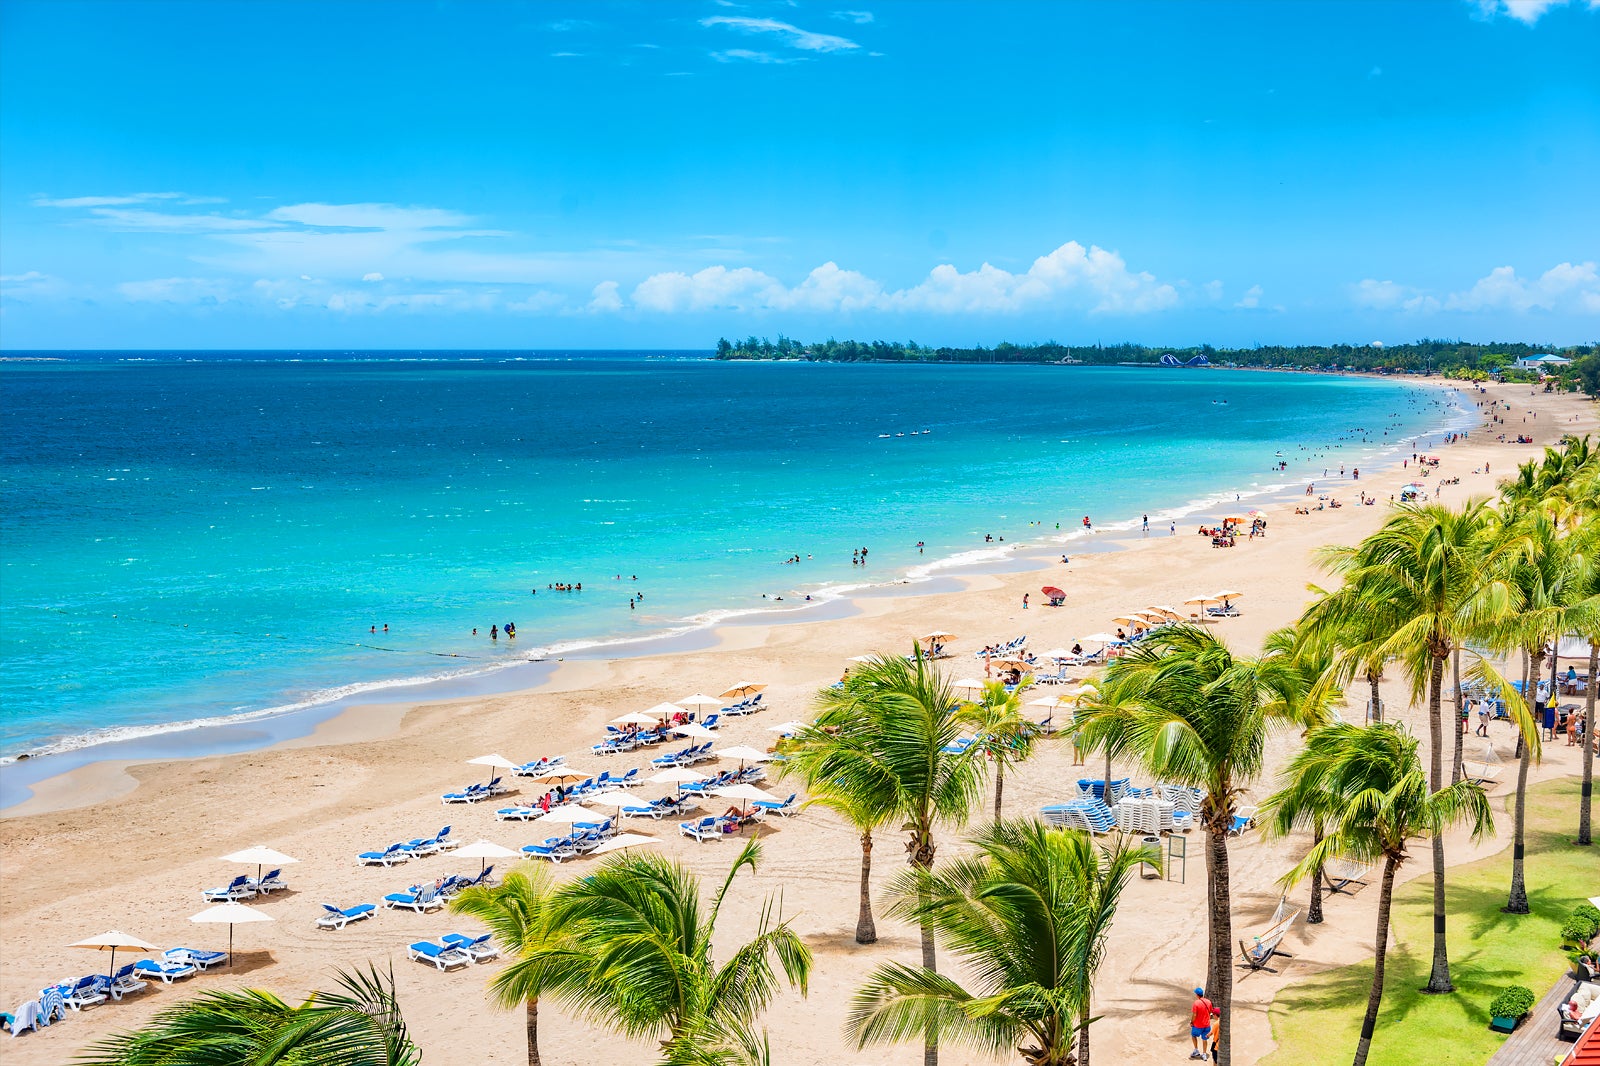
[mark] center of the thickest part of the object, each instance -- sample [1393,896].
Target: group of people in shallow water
[494,631]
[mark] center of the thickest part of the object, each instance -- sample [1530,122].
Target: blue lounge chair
[168,972]
[270,883]
[339,917]
[478,947]
[555,849]
[786,808]
[420,899]
[238,888]
[471,794]
[707,828]
[387,857]
[517,814]
[88,991]
[125,982]
[203,960]
[442,958]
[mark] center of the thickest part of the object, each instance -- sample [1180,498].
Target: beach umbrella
[1104,638]
[745,792]
[936,637]
[677,775]
[260,856]
[744,753]
[1058,653]
[485,850]
[663,711]
[743,689]
[1226,595]
[497,762]
[694,729]
[1129,620]
[700,699]
[110,941]
[231,914]
[563,775]
[861,658]
[1053,592]
[635,718]
[624,840]
[971,684]
[617,797]
[1008,664]
[568,813]
[1201,601]
[1170,612]
[788,729]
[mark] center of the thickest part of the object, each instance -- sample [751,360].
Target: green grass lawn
[1316,1021]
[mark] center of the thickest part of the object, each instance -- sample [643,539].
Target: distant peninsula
[1453,359]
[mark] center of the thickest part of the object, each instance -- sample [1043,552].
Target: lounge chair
[484,879]
[273,882]
[785,808]
[442,958]
[471,794]
[203,960]
[88,991]
[126,982]
[708,828]
[390,855]
[239,888]
[1340,874]
[339,917]
[168,972]
[555,849]
[1244,818]
[1265,945]
[478,947]
[518,814]
[420,900]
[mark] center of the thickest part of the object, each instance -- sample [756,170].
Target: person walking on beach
[1024,601]
[1147,523]
[1201,1011]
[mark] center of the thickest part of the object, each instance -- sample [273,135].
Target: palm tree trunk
[1588,746]
[866,929]
[1457,771]
[1219,976]
[999,785]
[922,858]
[1439,976]
[1517,902]
[1377,702]
[530,1022]
[1083,1038]
[1314,912]
[1375,997]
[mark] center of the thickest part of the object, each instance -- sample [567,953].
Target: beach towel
[27,1017]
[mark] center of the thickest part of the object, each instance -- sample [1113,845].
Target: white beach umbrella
[862,659]
[1059,700]
[694,729]
[745,793]
[569,813]
[624,840]
[616,797]
[744,688]
[498,762]
[1104,638]
[485,850]
[1170,612]
[1202,600]
[260,856]
[663,711]
[676,775]
[788,729]
[700,699]
[1058,653]
[971,684]
[744,753]
[111,941]
[231,914]
[635,718]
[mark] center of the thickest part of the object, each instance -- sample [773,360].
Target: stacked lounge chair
[1090,815]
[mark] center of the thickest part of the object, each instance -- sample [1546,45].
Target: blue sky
[652,174]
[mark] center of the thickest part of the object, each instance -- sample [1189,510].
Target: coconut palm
[358,1024]
[521,913]
[1028,917]
[864,818]
[1004,734]
[887,738]
[643,963]
[1425,579]
[1197,715]
[1586,623]
[1367,786]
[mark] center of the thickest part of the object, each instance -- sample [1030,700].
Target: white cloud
[139,220]
[746,55]
[568,25]
[860,18]
[372,276]
[124,201]
[369,216]
[1525,11]
[1071,277]
[791,35]
[178,291]
[566,55]
[1566,287]
[605,298]
[1251,297]
[32,285]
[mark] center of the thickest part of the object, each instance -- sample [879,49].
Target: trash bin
[1148,870]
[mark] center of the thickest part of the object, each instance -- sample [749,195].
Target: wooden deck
[1535,1043]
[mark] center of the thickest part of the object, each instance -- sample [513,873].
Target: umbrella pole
[113,971]
[230,945]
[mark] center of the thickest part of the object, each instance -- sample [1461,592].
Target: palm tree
[887,739]
[1586,622]
[1028,917]
[1196,715]
[643,962]
[357,1025]
[1366,784]
[1003,733]
[521,913]
[1424,580]
[864,818]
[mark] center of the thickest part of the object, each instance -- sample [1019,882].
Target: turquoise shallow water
[202,536]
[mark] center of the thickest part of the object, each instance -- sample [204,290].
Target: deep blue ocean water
[196,536]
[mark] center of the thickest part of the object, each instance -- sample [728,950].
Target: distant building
[1542,362]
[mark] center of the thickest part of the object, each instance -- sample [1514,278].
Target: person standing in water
[494,632]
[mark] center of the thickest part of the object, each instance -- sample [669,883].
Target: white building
[1542,362]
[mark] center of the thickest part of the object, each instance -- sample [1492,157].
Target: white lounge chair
[480,948]
[442,958]
[339,917]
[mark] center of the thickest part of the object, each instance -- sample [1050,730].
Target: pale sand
[135,858]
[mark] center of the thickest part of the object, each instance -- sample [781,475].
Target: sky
[616,174]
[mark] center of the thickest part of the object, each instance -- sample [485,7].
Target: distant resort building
[1542,362]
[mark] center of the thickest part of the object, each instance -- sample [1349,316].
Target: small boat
[883,436]
[899,434]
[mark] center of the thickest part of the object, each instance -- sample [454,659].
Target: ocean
[220,536]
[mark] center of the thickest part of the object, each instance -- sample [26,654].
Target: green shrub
[1589,911]
[1514,1002]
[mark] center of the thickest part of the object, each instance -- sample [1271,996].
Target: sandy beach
[131,846]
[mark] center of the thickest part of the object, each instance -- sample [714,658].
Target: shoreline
[23,775]
[367,776]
